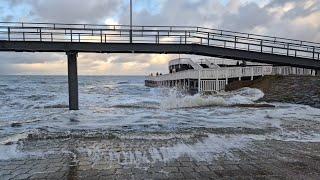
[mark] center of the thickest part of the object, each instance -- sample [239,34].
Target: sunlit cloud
[289,18]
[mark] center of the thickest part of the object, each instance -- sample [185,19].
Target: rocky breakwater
[287,89]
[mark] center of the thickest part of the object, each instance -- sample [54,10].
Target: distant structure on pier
[212,75]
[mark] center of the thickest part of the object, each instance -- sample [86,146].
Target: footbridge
[91,38]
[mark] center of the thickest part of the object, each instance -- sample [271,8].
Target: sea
[37,106]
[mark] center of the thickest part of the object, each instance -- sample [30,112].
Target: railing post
[261,47]
[313,53]
[40,31]
[51,36]
[252,74]
[71,35]
[235,42]
[217,85]
[23,36]
[287,49]
[142,29]
[79,37]
[208,39]
[101,39]
[9,34]
[185,37]
[131,36]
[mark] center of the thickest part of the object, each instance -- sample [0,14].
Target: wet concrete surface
[181,157]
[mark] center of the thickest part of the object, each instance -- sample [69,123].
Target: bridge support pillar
[73,80]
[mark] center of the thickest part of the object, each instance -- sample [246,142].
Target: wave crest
[243,96]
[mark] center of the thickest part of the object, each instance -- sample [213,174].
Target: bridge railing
[92,33]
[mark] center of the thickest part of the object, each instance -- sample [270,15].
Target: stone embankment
[288,89]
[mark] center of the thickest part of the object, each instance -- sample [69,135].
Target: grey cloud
[177,12]
[276,3]
[247,18]
[73,11]
[29,58]
[140,58]
[300,11]
[286,28]
[8,18]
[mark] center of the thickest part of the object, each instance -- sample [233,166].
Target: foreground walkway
[173,158]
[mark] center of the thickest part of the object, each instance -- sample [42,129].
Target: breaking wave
[243,96]
[163,98]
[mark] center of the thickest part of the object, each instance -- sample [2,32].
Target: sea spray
[175,99]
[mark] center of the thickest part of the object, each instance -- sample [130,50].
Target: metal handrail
[188,28]
[194,28]
[56,32]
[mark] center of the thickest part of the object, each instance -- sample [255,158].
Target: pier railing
[287,70]
[233,72]
[91,33]
[218,73]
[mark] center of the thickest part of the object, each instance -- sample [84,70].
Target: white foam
[8,152]
[13,138]
[244,96]
[204,150]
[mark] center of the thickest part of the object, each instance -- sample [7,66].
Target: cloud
[28,58]
[297,19]
[72,11]
[243,19]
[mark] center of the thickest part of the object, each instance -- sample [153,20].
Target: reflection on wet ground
[160,156]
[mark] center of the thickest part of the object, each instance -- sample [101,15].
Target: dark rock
[74,120]
[8,143]
[287,89]
[59,106]
[16,124]
[254,105]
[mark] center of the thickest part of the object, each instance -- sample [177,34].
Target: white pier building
[212,75]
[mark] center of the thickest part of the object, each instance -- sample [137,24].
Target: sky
[297,19]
